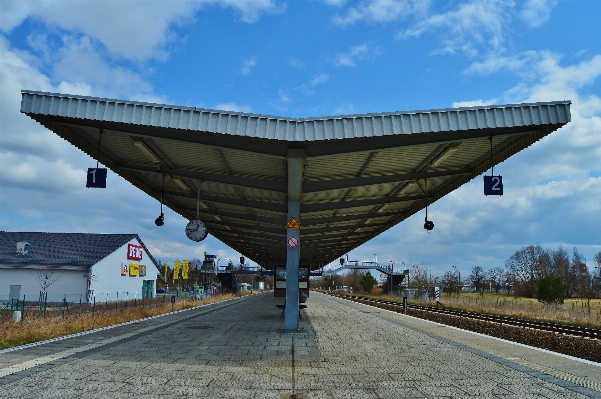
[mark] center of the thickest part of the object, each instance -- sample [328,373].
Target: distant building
[76,266]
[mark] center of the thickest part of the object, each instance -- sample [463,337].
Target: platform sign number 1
[96,178]
[493,185]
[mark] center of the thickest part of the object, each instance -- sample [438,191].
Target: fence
[76,304]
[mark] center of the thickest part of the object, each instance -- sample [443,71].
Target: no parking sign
[293,242]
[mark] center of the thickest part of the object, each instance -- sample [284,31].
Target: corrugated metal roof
[363,173]
[293,129]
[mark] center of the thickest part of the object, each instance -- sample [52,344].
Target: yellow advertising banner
[134,269]
[166,269]
[185,270]
[176,265]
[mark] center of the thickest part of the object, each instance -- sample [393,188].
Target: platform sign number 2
[493,185]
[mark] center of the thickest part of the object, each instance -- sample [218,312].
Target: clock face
[196,230]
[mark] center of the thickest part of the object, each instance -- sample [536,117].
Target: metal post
[296,163]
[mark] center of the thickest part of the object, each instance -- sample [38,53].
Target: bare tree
[579,274]
[478,277]
[526,266]
[449,282]
[561,267]
[496,275]
[45,277]
[353,280]
[419,277]
[194,273]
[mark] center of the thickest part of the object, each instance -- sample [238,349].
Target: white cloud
[349,59]
[284,97]
[319,79]
[247,65]
[473,103]
[346,108]
[543,78]
[336,3]
[381,11]
[34,173]
[537,12]
[306,89]
[295,63]
[249,10]
[233,107]
[80,63]
[17,133]
[515,63]
[473,25]
[130,29]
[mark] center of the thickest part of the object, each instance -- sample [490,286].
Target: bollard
[17,316]
[172,302]
[405,304]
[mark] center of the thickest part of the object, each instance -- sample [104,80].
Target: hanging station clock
[196,230]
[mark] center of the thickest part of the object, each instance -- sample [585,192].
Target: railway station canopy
[362,174]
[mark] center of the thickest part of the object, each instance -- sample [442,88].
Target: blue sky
[313,58]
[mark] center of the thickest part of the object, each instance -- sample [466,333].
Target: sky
[313,58]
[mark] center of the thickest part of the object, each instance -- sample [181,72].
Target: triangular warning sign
[293,224]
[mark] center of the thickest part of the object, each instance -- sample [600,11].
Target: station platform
[238,349]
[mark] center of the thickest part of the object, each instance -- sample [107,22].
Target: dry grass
[573,311]
[39,329]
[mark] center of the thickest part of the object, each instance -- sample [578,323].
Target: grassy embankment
[34,329]
[572,311]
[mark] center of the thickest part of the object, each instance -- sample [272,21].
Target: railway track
[559,328]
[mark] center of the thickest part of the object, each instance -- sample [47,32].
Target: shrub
[551,289]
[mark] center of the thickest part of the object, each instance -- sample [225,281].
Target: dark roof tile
[81,249]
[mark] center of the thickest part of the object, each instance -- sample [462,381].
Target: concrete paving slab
[238,349]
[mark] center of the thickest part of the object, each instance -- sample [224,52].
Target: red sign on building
[134,252]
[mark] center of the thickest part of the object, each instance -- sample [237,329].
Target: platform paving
[238,349]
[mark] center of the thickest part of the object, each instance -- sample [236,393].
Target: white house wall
[108,283]
[69,283]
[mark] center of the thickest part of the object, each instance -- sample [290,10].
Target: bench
[283,307]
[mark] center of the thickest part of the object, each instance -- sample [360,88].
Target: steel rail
[560,328]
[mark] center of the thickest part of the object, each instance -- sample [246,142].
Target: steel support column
[296,162]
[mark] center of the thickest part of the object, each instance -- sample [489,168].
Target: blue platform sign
[493,185]
[96,178]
